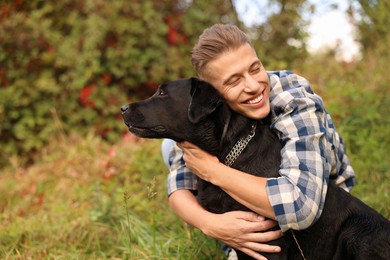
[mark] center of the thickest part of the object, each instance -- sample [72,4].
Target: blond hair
[213,42]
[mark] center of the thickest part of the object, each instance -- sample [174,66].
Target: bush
[74,61]
[79,61]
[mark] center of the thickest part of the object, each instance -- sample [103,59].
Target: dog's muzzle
[124,109]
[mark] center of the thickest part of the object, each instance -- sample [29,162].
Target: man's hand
[197,160]
[238,229]
[242,230]
[246,189]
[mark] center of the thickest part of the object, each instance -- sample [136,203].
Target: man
[312,153]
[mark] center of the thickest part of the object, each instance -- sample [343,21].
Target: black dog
[192,110]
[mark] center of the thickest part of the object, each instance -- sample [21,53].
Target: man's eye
[234,82]
[255,70]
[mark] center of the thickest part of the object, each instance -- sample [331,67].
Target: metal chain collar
[239,147]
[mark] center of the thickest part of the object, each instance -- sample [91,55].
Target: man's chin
[257,114]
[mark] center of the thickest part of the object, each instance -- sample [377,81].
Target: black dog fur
[191,110]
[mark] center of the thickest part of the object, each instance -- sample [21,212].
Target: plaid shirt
[312,152]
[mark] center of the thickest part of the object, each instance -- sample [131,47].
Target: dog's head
[174,111]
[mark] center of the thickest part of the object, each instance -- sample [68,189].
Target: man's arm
[311,152]
[238,229]
[247,189]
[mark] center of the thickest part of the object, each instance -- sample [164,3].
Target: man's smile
[255,100]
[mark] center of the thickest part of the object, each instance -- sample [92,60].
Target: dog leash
[299,247]
[239,147]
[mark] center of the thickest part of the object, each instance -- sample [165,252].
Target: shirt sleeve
[179,177]
[308,154]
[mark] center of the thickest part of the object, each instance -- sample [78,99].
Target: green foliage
[374,22]
[281,40]
[78,62]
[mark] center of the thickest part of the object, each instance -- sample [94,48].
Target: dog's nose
[124,108]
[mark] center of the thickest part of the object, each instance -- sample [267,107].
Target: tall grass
[85,199]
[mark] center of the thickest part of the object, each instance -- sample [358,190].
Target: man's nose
[251,84]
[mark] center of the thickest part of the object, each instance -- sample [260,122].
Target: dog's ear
[204,100]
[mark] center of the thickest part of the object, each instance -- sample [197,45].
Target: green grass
[84,199]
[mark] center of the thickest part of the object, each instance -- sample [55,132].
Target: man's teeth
[256,100]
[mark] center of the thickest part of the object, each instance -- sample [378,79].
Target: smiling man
[244,84]
[312,155]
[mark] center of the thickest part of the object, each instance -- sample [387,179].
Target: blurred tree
[186,20]
[372,20]
[280,39]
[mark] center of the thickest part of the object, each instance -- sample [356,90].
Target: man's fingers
[247,215]
[259,247]
[266,224]
[259,226]
[263,237]
[186,144]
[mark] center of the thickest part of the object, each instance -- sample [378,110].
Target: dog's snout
[124,108]
[131,114]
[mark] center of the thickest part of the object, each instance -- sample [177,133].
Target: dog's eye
[161,92]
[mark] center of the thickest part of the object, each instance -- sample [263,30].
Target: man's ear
[204,100]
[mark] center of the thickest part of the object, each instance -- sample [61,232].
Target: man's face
[241,79]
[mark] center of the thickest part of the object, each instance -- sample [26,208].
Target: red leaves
[3,77]
[7,8]
[174,37]
[85,94]
[175,34]
[106,78]
[151,86]
[110,171]
[34,198]
[86,91]
[111,40]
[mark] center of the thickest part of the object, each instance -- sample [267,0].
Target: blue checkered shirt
[312,152]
